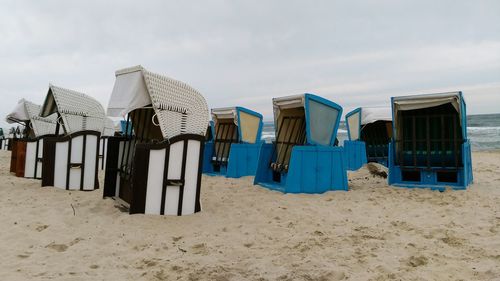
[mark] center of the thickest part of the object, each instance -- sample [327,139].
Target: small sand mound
[377,170]
[417,261]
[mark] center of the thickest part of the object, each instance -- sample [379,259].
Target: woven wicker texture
[27,111]
[41,125]
[79,111]
[180,108]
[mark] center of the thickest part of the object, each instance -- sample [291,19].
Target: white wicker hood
[180,108]
[79,112]
[19,114]
[374,114]
[26,111]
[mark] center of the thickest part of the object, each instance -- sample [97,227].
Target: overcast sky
[355,53]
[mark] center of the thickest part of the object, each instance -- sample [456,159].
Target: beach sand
[245,232]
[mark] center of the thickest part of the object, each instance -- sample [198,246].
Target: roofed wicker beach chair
[155,168]
[27,151]
[303,158]
[369,130]
[236,143]
[108,130]
[430,147]
[71,156]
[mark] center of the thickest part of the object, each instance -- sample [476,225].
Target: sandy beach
[245,232]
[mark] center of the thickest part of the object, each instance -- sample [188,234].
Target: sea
[483,131]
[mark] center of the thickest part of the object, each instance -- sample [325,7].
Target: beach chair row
[427,146]
[154,161]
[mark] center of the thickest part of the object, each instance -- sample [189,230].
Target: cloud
[246,52]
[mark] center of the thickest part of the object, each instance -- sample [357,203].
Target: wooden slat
[20,158]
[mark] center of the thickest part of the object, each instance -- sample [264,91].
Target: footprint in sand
[414,261]
[150,263]
[75,241]
[160,275]
[57,247]
[177,268]
[200,249]
[63,247]
[334,276]
[146,263]
[41,228]
[25,255]
[453,241]
[318,233]
[142,247]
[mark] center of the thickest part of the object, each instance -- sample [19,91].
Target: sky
[244,53]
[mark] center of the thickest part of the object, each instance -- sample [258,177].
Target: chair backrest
[226,133]
[77,111]
[303,120]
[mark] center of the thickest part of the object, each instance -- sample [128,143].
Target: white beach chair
[155,168]
[71,157]
[27,151]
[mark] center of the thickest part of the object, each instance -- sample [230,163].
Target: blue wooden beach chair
[209,135]
[303,158]
[430,147]
[369,130]
[125,128]
[234,148]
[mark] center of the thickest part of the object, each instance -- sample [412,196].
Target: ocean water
[483,131]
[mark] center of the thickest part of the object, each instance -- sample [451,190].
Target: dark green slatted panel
[430,138]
